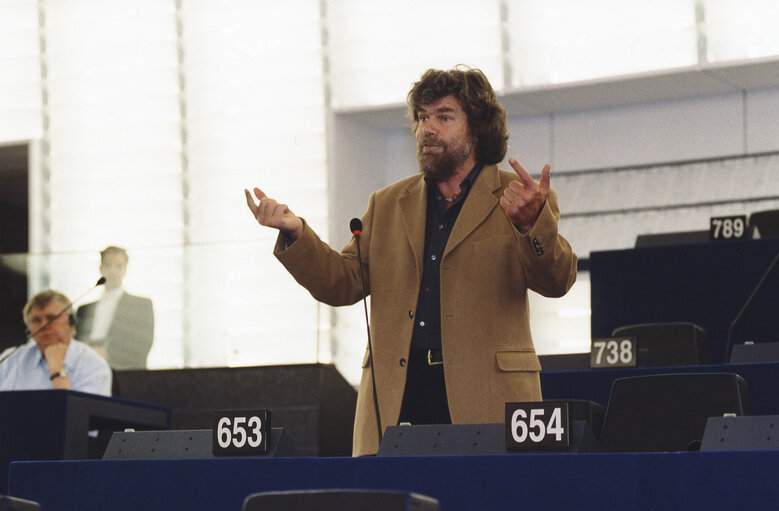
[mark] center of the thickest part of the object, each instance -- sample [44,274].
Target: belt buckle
[430,361]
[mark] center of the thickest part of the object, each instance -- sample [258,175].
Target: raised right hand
[54,355]
[271,213]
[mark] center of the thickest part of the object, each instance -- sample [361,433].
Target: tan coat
[486,269]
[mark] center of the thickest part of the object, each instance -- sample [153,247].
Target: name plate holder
[240,432]
[725,228]
[534,426]
[609,352]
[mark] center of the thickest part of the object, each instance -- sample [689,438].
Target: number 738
[616,351]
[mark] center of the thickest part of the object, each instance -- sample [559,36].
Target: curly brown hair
[486,117]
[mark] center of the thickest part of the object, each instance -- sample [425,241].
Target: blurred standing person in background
[119,326]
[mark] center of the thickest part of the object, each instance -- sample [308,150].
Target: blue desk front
[667,481]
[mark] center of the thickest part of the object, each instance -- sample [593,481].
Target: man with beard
[448,256]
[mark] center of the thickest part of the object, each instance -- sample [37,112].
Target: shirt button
[441,226]
[402,362]
[421,323]
[432,257]
[411,314]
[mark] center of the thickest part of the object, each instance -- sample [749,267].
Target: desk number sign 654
[535,426]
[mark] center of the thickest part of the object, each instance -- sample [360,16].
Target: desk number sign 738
[613,352]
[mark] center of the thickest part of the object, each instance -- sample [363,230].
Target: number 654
[535,428]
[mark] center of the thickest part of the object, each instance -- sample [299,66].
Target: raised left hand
[523,200]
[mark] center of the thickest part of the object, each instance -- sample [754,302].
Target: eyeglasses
[48,318]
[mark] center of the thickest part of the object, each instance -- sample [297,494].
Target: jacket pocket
[517,361]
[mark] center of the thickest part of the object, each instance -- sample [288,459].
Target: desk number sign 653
[243,432]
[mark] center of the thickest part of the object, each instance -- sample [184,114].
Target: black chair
[668,412]
[671,238]
[667,344]
[351,500]
[15,504]
[766,222]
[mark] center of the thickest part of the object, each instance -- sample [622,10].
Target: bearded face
[444,140]
[439,159]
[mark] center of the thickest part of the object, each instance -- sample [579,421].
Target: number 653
[243,431]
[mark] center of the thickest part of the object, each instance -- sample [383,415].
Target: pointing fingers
[523,199]
[250,202]
[546,173]
[524,177]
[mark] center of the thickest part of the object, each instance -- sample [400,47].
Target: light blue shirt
[26,369]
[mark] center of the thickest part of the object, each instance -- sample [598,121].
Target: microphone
[48,322]
[747,305]
[100,282]
[355,225]
[11,351]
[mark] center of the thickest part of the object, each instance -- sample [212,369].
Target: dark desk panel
[667,481]
[705,283]
[312,402]
[595,384]
[53,424]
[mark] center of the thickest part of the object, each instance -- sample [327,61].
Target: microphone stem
[370,346]
[100,282]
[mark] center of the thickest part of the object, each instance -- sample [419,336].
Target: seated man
[54,360]
[119,326]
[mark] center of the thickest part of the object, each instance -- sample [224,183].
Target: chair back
[337,499]
[668,412]
[667,344]
[16,504]
[765,222]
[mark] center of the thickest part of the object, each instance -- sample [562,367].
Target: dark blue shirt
[441,216]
